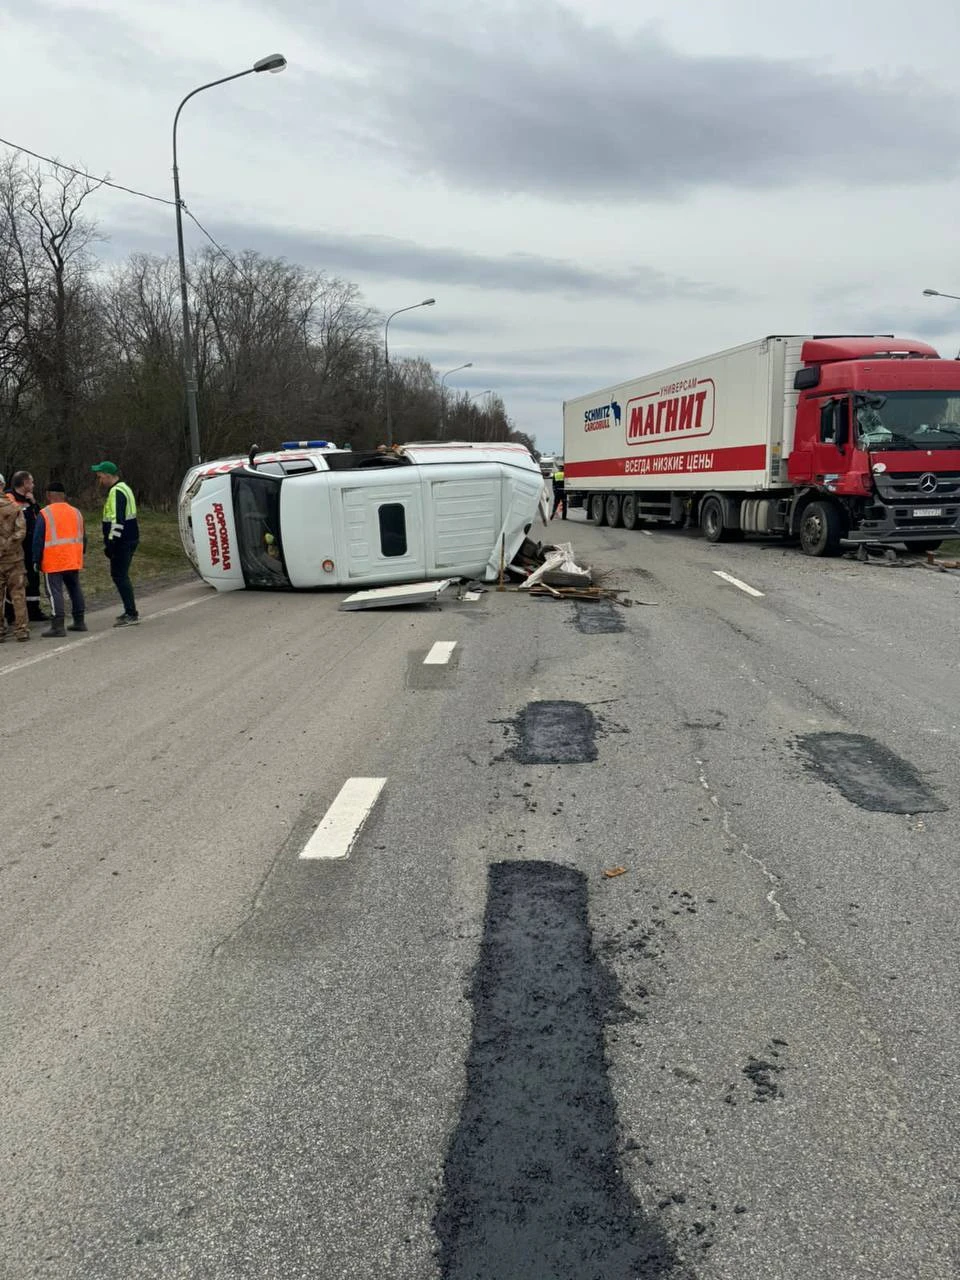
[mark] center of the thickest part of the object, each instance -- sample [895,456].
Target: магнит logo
[682,409]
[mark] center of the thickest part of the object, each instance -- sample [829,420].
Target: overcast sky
[591,190]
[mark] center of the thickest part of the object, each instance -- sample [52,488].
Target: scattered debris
[557,568]
[761,1072]
[613,872]
[406,593]
[933,561]
[891,558]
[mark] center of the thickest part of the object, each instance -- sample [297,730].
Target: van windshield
[256,511]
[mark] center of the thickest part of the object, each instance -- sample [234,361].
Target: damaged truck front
[315,517]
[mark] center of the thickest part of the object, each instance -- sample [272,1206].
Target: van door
[382,525]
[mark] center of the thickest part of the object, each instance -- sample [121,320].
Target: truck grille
[904,486]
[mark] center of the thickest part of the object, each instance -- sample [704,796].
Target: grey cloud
[540,385]
[934,324]
[536,99]
[533,360]
[111,45]
[388,258]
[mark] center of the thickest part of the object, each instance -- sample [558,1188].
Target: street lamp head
[931,293]
[428,302]
[272,62]
[468,365]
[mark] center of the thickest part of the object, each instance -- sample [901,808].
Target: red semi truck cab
[878,426]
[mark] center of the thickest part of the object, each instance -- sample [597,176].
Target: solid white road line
[72,645]
[440,654]
[735,582]
[343,821]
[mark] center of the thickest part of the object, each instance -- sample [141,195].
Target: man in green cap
[121,536]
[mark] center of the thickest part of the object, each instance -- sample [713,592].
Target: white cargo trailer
[721,423]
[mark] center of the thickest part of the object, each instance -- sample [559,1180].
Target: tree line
[90,354]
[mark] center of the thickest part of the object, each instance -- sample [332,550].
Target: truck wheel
[821,528]
[629,515]
[711,520]
[598,509]
[613,510]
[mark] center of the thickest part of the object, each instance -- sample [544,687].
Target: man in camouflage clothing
[13,577]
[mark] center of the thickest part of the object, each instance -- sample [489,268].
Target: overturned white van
[309,515]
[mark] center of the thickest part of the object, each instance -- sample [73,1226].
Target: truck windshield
[909,420]
[256,510]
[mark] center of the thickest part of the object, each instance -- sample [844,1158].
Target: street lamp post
[274,62]
[427,302]
[935,293]
[443,394]
[488,392]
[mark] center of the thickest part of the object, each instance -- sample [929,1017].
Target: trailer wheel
[614,518]
[629,515]
[821,528]
[598,509]
[711,520]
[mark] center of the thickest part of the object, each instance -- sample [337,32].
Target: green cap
[110,468]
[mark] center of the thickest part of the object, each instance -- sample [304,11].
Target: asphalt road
[463,1051]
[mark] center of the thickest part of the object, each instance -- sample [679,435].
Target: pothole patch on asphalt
[555,733]
[868,774]
[532,1184]
[599,617]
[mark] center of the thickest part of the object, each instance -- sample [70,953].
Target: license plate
[930,513]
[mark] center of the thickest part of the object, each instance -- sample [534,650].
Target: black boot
[78,623]
[56,630]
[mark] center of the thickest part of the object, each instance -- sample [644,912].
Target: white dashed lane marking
[440,654]
[343,821]
[735,582]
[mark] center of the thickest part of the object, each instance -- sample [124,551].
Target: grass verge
[159,560]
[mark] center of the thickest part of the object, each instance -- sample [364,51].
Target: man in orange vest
[59,541]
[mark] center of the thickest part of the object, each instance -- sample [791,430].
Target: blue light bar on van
[307,444]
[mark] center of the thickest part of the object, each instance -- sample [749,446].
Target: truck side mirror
[807,379]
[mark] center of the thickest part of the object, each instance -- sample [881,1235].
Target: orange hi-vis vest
[63,543]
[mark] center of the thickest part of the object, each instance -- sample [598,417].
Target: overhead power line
[144,195]
[82,173]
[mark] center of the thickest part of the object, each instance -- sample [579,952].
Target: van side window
[393,529]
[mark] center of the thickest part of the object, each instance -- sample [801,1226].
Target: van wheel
[629,515]
[598,509]
[711,520]
[613,510]
[821,528]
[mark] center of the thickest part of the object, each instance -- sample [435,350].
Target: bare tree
[90,361]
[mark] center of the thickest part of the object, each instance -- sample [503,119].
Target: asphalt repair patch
[532,1185]
[555,733]
[868,774]
[599,617]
